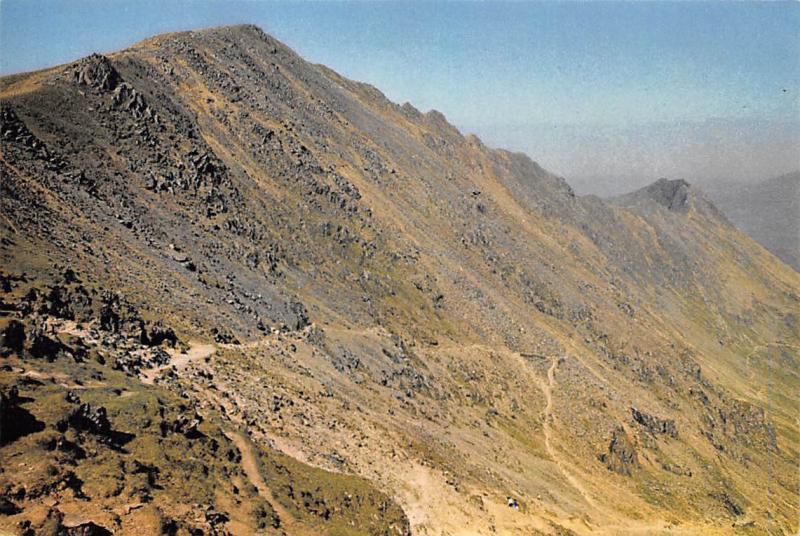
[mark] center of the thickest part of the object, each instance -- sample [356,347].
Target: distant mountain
[607,160]
[769,211]
[242,294]
[674,195]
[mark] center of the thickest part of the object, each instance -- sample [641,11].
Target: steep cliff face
[381,297]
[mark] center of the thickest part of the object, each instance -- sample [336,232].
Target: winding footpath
[547,390]
[197,352]
[251,469]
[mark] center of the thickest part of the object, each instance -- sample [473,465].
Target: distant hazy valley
[769,211]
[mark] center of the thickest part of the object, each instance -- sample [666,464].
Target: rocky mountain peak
[672,194]
[675,195]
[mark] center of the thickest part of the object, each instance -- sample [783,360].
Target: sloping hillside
[369,311]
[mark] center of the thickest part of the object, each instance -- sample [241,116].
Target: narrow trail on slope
[287,336]
[197,352]
[547,389]
[600,527]
[759,347]
[256,343]
[759,394]
[250,465]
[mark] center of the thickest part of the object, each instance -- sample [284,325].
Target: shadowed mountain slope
[432,324]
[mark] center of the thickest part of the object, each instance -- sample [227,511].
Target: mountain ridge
[497,335]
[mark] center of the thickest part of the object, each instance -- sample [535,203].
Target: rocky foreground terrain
[241,294]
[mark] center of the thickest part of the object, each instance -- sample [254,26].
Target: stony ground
[295,306]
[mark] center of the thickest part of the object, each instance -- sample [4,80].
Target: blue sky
[541,77]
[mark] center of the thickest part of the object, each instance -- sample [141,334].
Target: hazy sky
[605,90]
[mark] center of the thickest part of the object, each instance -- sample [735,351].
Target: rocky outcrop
[621,455]
[655,425]
[158,333]
[44,344]
[118,316]
[14,130]
[88,419]
[96,71]
[13,336]
[183,424]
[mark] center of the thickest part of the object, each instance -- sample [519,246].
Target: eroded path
[250,465]
[610,524]
[547,389]
[197,351]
